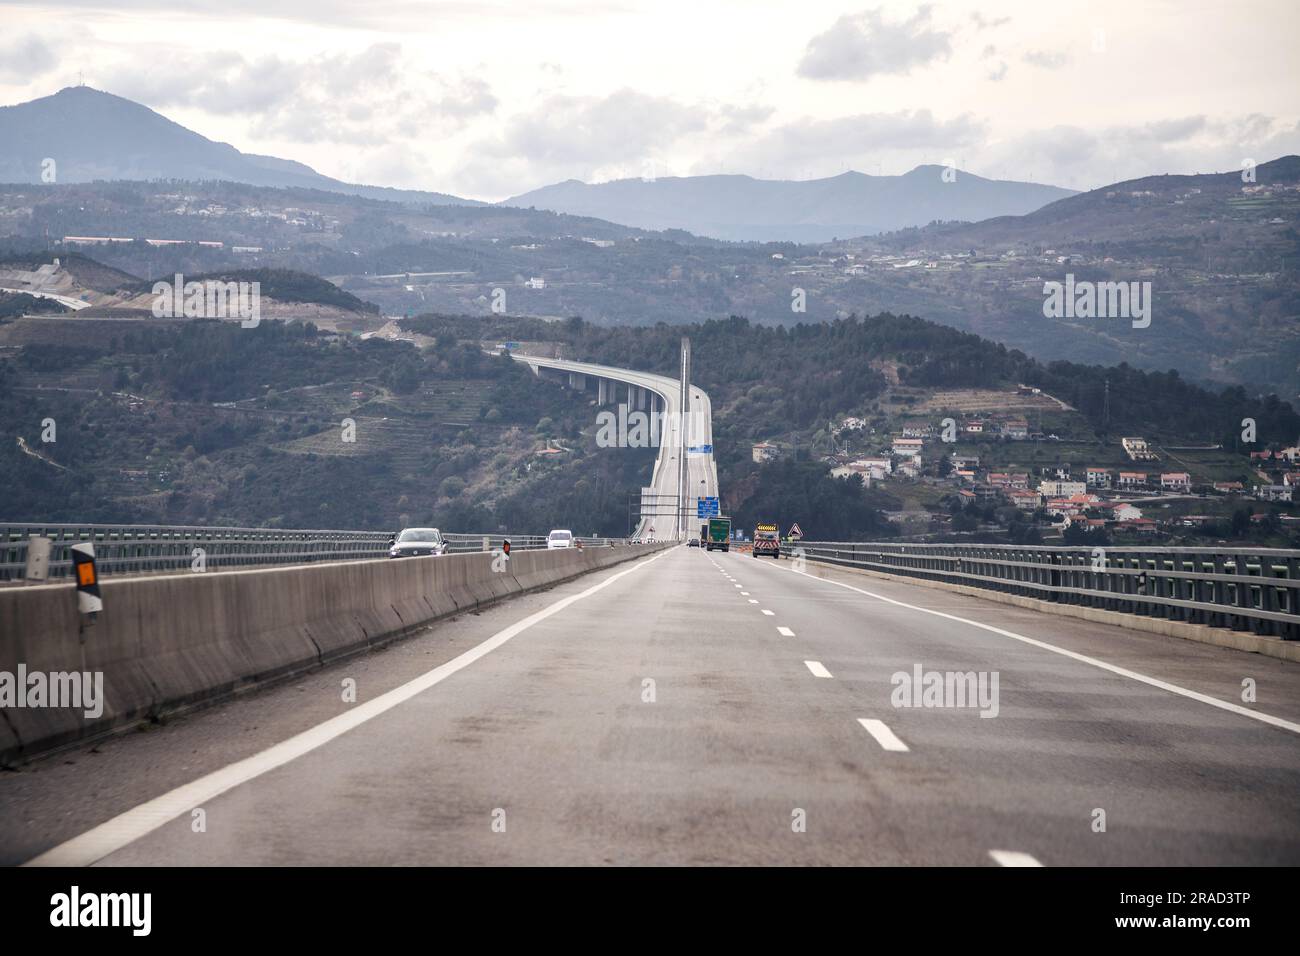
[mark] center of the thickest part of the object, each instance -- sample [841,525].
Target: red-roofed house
[1025,499]
[1139,525]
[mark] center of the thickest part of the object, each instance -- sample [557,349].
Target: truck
[767,540]
[719,534]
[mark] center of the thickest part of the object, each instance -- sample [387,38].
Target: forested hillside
[203,422]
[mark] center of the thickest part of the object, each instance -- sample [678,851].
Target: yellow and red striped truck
[767,540]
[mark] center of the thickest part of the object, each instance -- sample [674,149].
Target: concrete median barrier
[165,644]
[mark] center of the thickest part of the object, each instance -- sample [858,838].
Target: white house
[1062,489]
[1016,430]
[1098,477]
[1137,449]
[1123,511]
[1025,500]
[1273,492]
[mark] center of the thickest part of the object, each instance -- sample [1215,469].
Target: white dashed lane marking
[1290,725]
[818,669]
[1013,858]
[884,736]
[785,632]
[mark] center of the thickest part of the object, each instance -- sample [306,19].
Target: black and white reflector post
[83,564]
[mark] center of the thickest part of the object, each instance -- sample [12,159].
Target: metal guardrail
[467,541]
[142,549]
[1239,588]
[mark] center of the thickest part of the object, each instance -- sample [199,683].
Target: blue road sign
[707,508]
[700,450]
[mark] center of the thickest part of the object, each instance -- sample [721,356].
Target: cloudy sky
[489,98]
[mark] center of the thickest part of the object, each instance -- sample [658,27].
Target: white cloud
[1046,59]
[1072,156]
[359,98]
[594,138]
[983,23]
[1173,130]
[25,58]
[824,147]
[862,45]
[489,98]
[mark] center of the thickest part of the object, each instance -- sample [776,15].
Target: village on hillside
[972,471]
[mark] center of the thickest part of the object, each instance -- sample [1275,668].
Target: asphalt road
[764,738]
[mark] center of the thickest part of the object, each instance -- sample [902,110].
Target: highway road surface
[697,708]
[702,472]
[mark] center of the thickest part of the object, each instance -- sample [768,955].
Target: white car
[559,539]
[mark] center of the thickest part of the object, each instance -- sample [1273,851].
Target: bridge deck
[754,716]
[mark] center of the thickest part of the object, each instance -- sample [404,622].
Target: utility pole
[683,417]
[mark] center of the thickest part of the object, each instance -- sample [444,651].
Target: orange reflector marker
[83,560]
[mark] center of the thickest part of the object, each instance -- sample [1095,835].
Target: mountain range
[806,211]
[1219,252]
[93,135]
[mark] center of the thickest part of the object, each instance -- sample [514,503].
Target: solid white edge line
[818,669]
[129,826]
[1013,858]
[1083,658]
[884,736]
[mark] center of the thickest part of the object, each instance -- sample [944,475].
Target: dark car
[417,541]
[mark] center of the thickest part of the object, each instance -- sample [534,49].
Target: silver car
[412,542]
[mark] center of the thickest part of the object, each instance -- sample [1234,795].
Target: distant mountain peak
[93,134]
